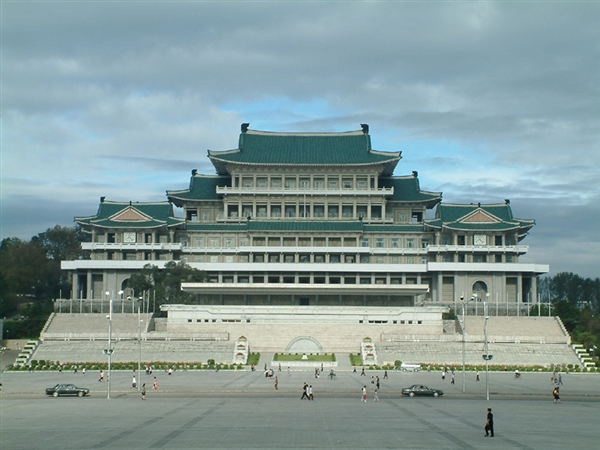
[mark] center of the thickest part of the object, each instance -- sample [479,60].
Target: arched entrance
[304,344]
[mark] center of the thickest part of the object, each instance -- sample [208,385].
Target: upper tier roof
[478,217]
[132,215]
[305,149]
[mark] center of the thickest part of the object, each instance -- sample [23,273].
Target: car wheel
[411,394]
[55,394]
[80,394]
[435,394]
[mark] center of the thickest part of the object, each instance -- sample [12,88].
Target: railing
[474,338]
[133,335]
[302,191]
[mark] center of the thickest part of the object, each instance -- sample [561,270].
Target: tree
[167,281]
[60,244]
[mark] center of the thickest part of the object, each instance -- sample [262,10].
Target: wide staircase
[512,340]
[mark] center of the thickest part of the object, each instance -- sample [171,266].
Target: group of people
[307,392]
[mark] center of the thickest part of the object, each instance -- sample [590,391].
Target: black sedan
[419,389]
[67,389]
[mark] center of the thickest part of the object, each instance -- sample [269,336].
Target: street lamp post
[463,303]
[487,355]
[109,350]
[139,375]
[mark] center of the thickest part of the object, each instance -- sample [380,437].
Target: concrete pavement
[243,410]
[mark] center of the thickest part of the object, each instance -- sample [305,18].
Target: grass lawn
[315,358]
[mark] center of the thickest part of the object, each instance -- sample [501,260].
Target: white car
[407,367]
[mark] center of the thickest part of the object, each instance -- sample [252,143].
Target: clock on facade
[479,239]
[129,237]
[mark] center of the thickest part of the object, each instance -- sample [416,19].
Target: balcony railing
[303,191]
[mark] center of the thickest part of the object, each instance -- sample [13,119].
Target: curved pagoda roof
[408,190]
[479,218]
[131,215]
[202,187]
[352,148]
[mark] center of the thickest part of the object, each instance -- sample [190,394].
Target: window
[410,243]
[244,258]
[288,258]
[446,240]
[334,211]
[461,239]
[319,258]
[214,242]
[318,184]
[410,260]
[199,242]
[304,184]
[192,215]
[290,183]
[274,258]
[347,211]
[258,258]
[394,242]
[334,258]
[229,258]
[446,258]
[276,183]
[333,184]
[498,258]
[349,259]
[304,258]
[424,243]
[364,242]
[395,260]
[403,217]
[365,280]
[276,211]
[347,183]
[244,241]
[361,184]
[498,240]
[319,211]
[509,258]
[379,243]
[261,182]
[228,242]
[417,217]
[290,211]
[379,260]
[364,259]
[205,215]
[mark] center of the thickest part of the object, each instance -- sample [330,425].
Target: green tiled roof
[407,189]
[313,149]
[132,215]
[393,228]
[302,225]
[478,217]
[218,227]
[202,187]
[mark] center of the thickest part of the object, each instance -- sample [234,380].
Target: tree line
[31,277]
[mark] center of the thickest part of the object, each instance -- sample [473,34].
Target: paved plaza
[237,410]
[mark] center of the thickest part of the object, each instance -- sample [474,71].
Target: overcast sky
[486,100]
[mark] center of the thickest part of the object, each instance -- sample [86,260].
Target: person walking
[144,391]
[83,371]
[377,382]
[556,395]
[101,376]
[385,375]
[304,392]
[133,382]
[452,380]
[155,384]
[560,379]
[276,384]
[362,373]
[310,393]
[364,394]
[477,375]
[489,423]
[376,397]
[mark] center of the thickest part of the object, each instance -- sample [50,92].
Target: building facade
[319,219]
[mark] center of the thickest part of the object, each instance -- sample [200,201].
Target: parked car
[419,389]
[67,389]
